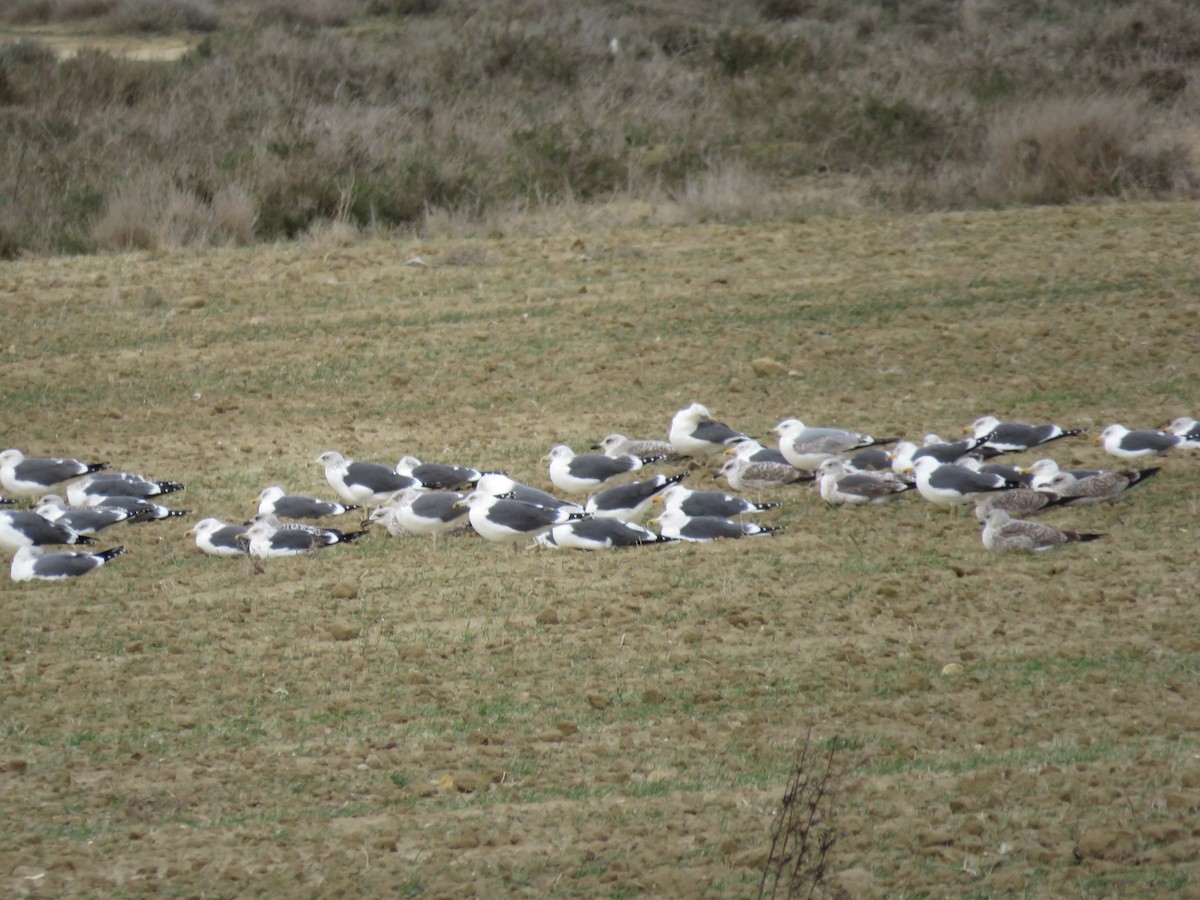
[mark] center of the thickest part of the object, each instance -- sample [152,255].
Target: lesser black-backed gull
[597,534]
[118,484]
[217,538]
[694,432]
[630,502]
[364,483]
[842,485]
[1119,441]
[675,523]
[1039,472]
[414,511]
[34,476]
[1022,501]
[438,476]
[582,472]
[709,503]
[25,528]
[744,475]
[619,445]
[506,521]
[806,448]
[872,459]
[82,519]
[29,563]
[1188,429]
[1001,533]
[1013,437]
[144,510]
[276,501]
[1099,487]
[755,452]
[267,537]
[499,485]
[949,485]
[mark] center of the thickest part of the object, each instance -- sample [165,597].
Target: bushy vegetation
[382,113]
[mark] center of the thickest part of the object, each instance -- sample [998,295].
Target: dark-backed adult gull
[1013,437]
[580,473]
[1022,501]
[144,510]
[25,528]
[1119,441]
[266,537]
[694,432]
[872,459]
[709,503]
[1097,488]
[949,485]
[438,476]
[364,483]
[1039,472]
[744,475]
[217,538]
[82,519]
[807,448]
[619,445]
[755,452]
[1015,474]
[630,502]
[1001,532]
[506,521]
[274,500]
[34,476]
[842,485]
[675,523]
[29,563]
[1188,429]
[118,484]
[597,534]
[499,485]
[414,511]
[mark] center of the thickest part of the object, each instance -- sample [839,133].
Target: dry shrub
[163,16]
[726,191]
[310,13]
[25,12]
[149,212]
[1060,151]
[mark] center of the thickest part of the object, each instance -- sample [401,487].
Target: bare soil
[454,718]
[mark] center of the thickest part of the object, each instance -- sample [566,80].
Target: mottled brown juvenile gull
[840,484]
[1013,437]
[217,538]
[806,448]
[1097,488]
[1020,501]
[274,500]
[674,523]
[29,563]
[414,511]
[630,502]
[25,528]
[364,483]
[1001,532]
[34,476]
[694,432]
[583,472]
[744,475]
[597,534]
[949,485]
[619,445]
[1119,441]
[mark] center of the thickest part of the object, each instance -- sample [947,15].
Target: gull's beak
[657,498]
[730,452]
[1097,440]
[545,458]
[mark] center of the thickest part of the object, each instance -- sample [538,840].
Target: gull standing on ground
[694,432]
[364,483]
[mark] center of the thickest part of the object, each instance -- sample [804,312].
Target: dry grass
[704,110]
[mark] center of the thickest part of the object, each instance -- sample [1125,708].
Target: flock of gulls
[602,498]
